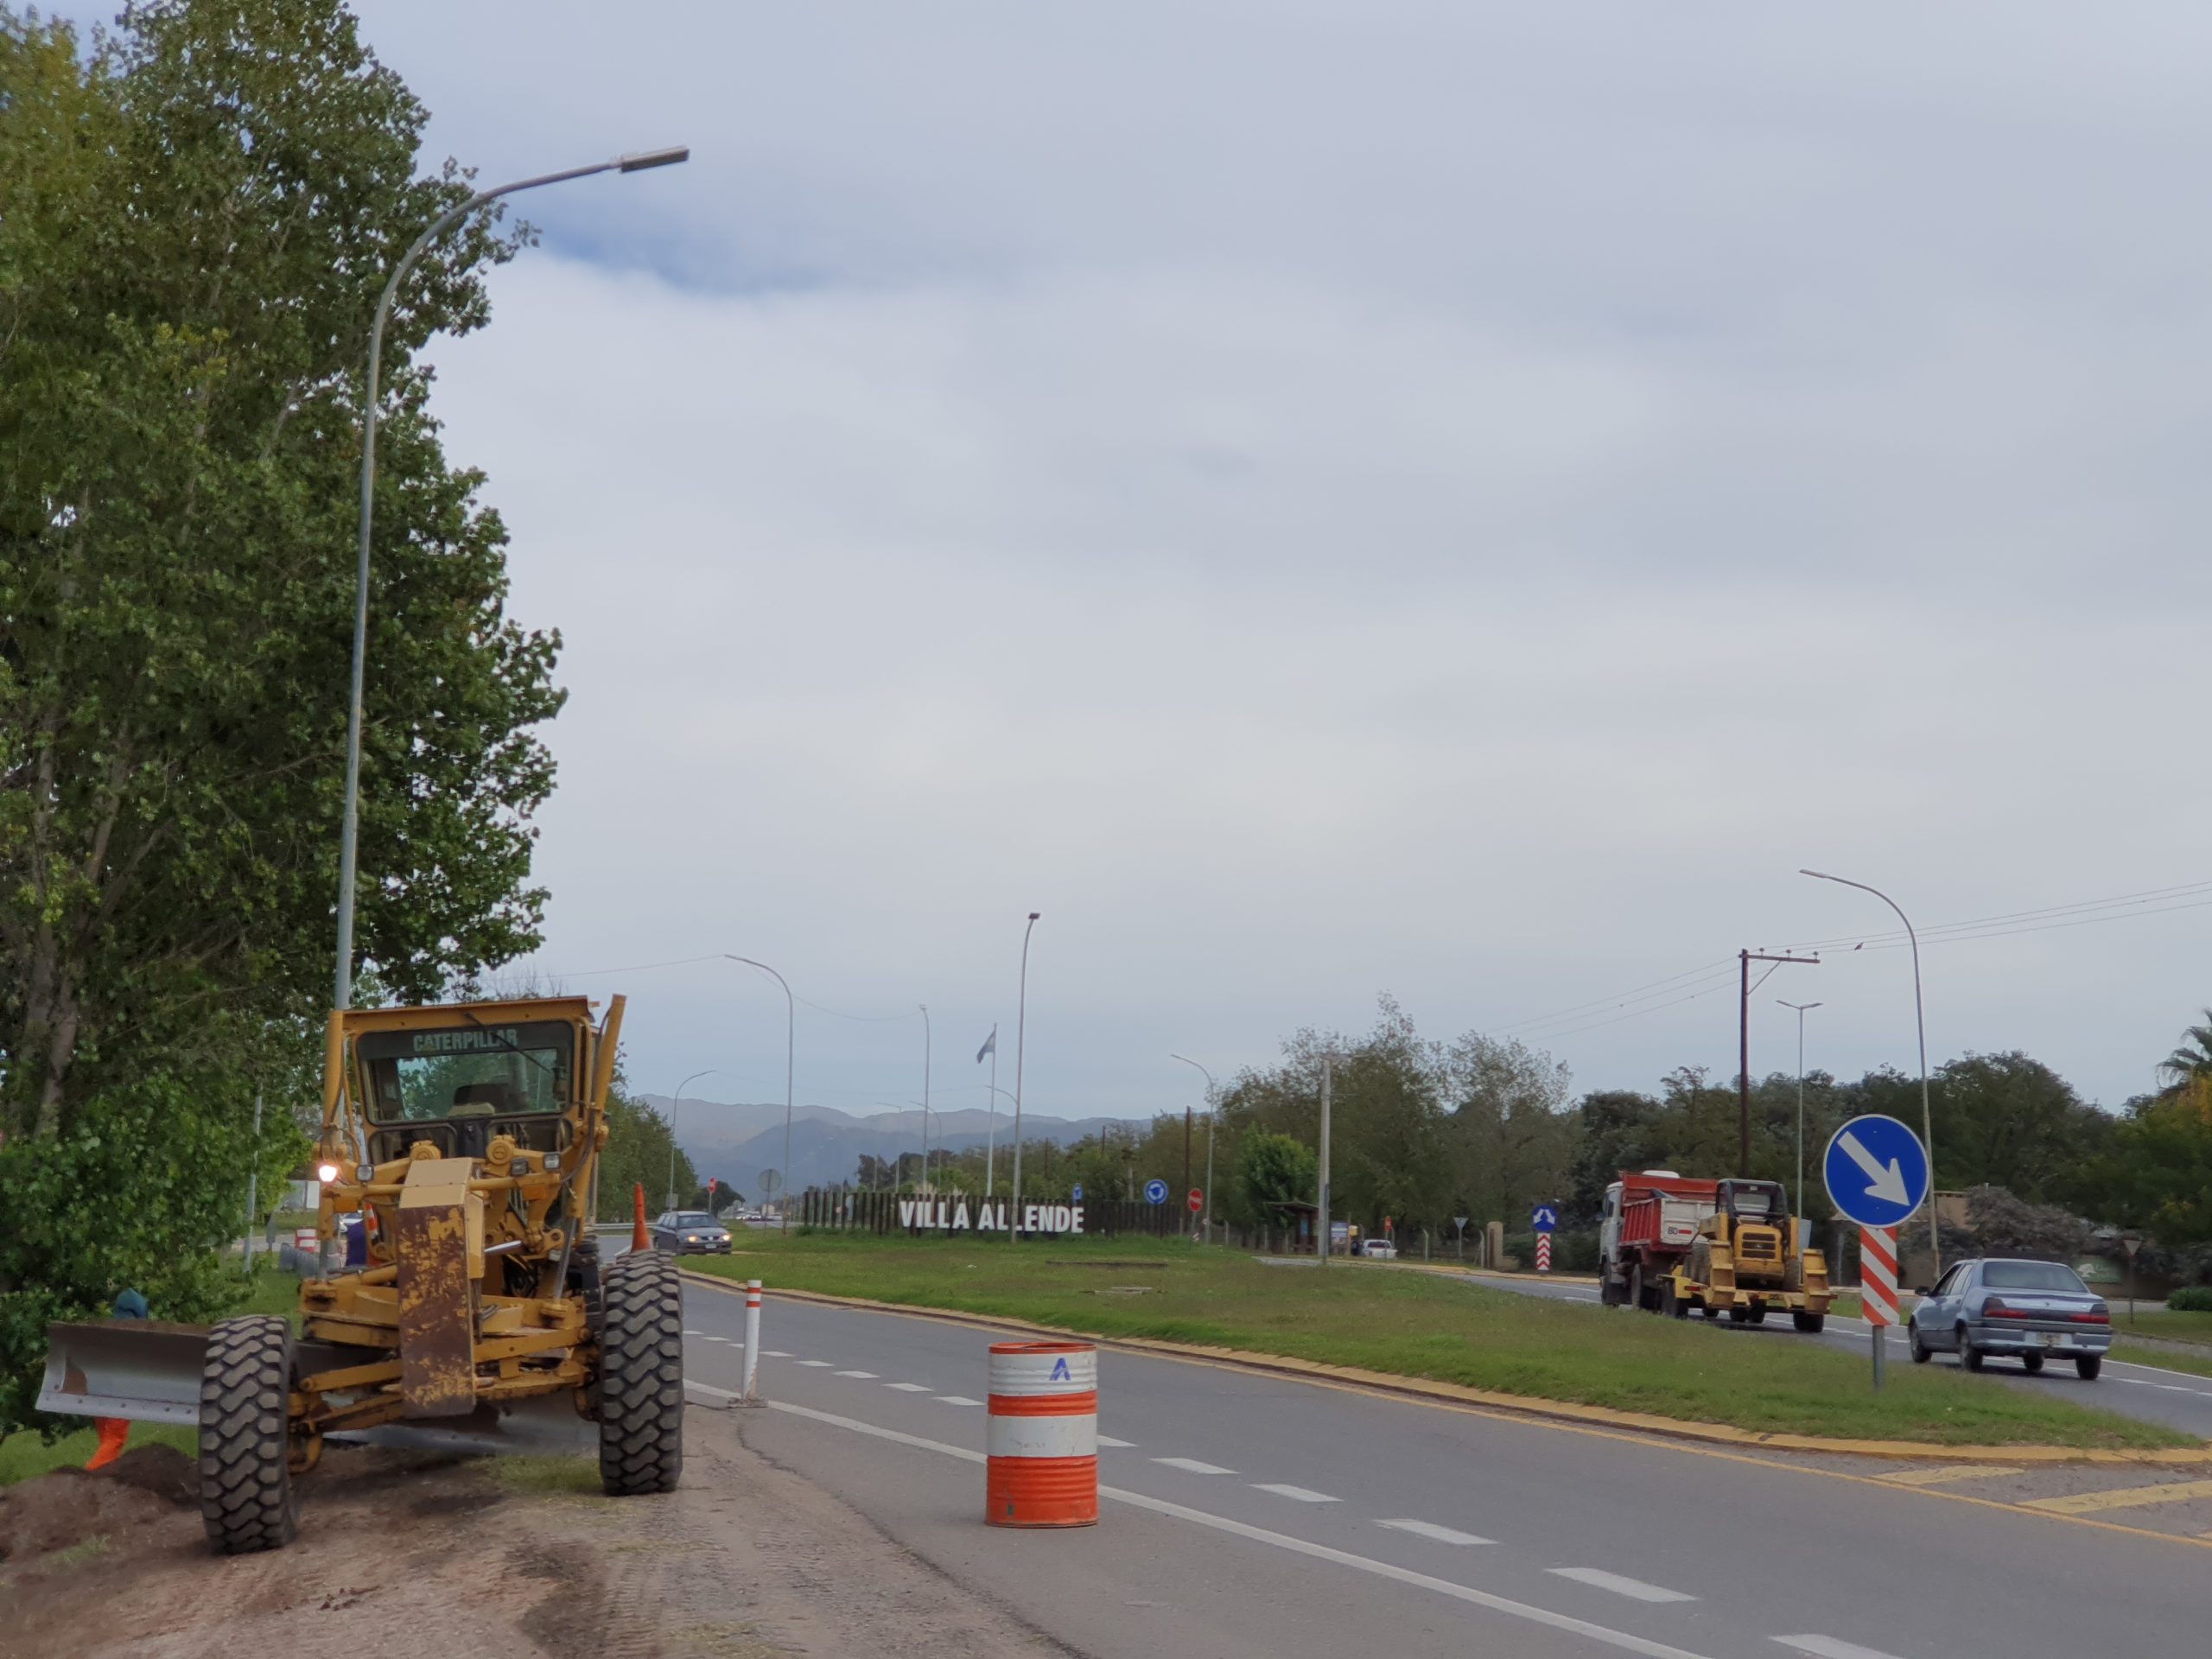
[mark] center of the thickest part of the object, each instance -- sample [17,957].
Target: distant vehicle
[2026,1310]
[689,1232]
[1381,1249]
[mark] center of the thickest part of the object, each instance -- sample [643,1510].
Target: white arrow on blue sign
[1875,1170]
[1544,1218]
[1077,1195]
[1155,1192]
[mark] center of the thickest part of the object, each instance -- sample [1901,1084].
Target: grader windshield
[498,1070]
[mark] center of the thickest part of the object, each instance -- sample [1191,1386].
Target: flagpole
[991,1138]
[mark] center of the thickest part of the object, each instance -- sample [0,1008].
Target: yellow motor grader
[474,1311]
[1745,1260]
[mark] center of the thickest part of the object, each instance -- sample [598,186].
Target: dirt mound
[137,1491]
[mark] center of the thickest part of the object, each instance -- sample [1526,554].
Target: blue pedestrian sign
[1544,1218]
[1875,1170]
[1155,1192]
[1076,1196]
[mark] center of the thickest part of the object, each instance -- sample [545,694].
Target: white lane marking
[1299,1494]
[909,1388]
[958,1399]
[690,1332]
[1622,1639]
[1635,1589]
[817,1365]
[689,1387]
[1827,1647]
[1440,1535]
[1192,1467]
[773,1353]
[1108,1439]
[721,1339]
[865,1376]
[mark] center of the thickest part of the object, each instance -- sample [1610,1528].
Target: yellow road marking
[1955,1471]
[2121,1497]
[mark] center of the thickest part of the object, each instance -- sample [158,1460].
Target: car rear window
[692,1218]
[2032,1275]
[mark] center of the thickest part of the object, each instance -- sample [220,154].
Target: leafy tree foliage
[200,211]
[1271,1170]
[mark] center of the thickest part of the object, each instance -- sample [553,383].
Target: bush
[2191,1298]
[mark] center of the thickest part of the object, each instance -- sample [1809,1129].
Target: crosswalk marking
[1430,1531]
[1635,1589]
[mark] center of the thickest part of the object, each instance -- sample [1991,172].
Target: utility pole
[1187,1149]
[1321,1244]
[1745,958]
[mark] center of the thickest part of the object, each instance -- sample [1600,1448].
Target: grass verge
[532,1473]
[1426,1326]
[2169,1359]
[2163,1323]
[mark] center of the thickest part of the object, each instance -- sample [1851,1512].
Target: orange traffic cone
[114,1430]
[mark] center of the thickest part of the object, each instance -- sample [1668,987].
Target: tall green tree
[197,214]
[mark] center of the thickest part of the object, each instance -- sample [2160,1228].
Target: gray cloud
[1457,500]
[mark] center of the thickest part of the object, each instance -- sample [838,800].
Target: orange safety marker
[114,1432]
[1042,1469]
[1877,1275]
[638,1240]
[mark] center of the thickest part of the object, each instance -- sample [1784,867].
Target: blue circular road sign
[1155,1192]
[1875,1170]
[1076,1196]
[1544,1218]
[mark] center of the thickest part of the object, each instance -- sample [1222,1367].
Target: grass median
[1431,1325]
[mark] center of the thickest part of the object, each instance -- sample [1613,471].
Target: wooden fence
[848,1209]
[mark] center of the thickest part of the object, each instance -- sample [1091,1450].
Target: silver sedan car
[2030,1311]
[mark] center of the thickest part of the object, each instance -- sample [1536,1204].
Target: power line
[2119,904]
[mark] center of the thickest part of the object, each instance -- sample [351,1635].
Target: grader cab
[465,1139]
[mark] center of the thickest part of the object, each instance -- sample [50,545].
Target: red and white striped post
[752,1338]
[1544,1252]
[1878,1286]
[1042,1468]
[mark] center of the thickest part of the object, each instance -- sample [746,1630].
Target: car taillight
[2099,1315]
[1997,1308]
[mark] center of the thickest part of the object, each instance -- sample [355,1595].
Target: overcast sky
[1454,499]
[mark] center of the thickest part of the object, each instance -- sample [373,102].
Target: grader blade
[137,1368]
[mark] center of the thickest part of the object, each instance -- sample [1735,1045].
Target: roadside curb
[1456,1394]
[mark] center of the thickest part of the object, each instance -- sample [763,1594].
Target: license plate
[2051,1340]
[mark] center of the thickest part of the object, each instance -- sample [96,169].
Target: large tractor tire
[641,1375]
[245,1477]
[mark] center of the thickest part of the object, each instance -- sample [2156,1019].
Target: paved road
[2179,1400]
[1253,1518]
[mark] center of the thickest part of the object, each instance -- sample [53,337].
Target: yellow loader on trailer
[1745,1260]
[466,1137]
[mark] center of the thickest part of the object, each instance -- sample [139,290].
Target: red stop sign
[1197,1200]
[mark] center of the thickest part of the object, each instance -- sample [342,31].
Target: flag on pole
[990,1046]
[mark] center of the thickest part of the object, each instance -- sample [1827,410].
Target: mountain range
[736,1141]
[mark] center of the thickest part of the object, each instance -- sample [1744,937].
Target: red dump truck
[1651,1222]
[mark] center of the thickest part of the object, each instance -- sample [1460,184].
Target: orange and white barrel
[1043,1443]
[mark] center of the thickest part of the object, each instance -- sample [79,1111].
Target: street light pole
[1801,1008]
[1328,1063]
[791,1040]
[1210,1110]
[675,1101]
[1920,1024]
[1020,1035]
[927,1190]
[349,834]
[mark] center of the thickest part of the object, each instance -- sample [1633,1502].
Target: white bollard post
[752,1340]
